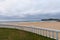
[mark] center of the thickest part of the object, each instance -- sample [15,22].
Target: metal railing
[52,33]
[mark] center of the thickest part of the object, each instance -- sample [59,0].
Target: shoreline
[51,25]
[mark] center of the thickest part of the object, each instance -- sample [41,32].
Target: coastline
[51,25]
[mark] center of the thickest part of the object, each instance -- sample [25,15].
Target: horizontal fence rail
[52,33]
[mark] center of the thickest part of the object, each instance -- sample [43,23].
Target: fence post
[52,34]
[56,35]
[40,32]
[46,33]
[49,33]
[43,32]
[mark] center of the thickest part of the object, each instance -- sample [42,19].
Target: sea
[19,20]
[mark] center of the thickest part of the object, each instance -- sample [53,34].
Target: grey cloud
[30,8]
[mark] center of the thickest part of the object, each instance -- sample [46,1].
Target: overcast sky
[23,8]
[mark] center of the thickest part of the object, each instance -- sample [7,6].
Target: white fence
[52,33]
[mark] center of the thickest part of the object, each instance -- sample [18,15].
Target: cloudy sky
[30,8]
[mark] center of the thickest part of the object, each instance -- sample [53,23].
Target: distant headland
[51,19]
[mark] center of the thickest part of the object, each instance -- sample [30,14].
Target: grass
[15,34]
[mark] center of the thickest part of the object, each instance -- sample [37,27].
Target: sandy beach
[51,25]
